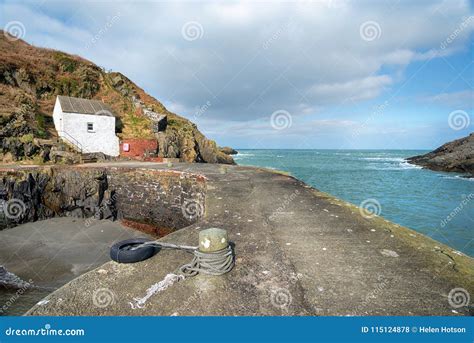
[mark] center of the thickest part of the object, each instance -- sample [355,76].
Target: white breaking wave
[407,165]
[384,159]
[243,154]
[404,165]
[457,177]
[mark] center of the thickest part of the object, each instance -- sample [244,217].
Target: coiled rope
[210,263]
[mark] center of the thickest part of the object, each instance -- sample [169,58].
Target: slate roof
[84,106]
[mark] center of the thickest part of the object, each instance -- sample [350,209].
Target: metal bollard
[211,240]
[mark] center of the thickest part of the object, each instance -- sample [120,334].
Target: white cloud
[464,99]
[354,90]
[253,57]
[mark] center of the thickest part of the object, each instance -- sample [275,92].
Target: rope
[210,263]
[164,245]
[168,281]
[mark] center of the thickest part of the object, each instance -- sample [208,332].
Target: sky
[304,74]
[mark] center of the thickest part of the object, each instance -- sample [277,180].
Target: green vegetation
[136,126]
[41,126]
[66,63]
[67,85]
[28,138]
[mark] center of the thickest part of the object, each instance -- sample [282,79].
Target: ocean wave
[243,154]
[384,159]
[408,165]
[404,165]
[457,177]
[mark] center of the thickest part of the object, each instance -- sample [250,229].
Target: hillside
[455,156]
[32,77]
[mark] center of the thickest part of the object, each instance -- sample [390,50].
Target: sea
[437,204]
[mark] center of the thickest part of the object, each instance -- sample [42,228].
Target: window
[90,127]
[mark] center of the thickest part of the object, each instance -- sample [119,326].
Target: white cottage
[89,125]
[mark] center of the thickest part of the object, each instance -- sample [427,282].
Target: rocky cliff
[455,156]
[32,77]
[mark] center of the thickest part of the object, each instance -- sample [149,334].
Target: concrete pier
[298,252]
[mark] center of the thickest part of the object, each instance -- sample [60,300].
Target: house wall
[57,116]
[72,127]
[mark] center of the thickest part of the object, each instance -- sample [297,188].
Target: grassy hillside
[30,79]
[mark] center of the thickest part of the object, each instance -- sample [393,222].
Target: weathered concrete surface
[50,253]
[299,252]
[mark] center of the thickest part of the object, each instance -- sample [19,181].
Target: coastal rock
[455,156]
[11,281]
[61,156]
[32,77]
[209,153]
[228,150]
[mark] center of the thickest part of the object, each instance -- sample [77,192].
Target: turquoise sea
[439,205]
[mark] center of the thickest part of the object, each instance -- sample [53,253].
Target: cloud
[354,90]
[463,99]
[251,58]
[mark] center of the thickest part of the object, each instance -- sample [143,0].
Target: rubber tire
[120,254]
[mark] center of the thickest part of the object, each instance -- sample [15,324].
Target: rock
[11,281]
[228,150]
[160,123]
[57,156]
[44,154]
[209,153]
[455,156]
[31,82]
[30,149]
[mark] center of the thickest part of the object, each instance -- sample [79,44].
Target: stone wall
[161,199]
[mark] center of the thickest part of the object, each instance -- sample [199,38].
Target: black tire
[120,252]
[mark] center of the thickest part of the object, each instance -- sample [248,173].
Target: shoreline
[314,247]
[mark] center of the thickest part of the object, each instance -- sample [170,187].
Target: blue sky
[301,74]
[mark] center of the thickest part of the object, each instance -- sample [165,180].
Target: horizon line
[367,149]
